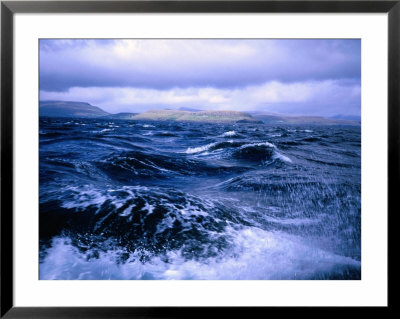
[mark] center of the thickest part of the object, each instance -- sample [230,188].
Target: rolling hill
[69,109]
[198,116]
[85,110]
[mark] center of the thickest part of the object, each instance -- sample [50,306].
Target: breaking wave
[168,200]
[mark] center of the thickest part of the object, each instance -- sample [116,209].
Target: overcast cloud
[310,77]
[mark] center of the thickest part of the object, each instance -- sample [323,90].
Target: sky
[320,77]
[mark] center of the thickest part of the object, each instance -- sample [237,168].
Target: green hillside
[199,116]
[69,109]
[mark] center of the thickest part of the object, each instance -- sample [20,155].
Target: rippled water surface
[168,200]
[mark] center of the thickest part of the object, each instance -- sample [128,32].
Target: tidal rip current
[174,200]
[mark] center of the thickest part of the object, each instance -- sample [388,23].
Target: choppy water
[167,200]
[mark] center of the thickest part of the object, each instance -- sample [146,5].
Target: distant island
[78,109]
[299,120]
[69,109]
[197,116]
[86,110]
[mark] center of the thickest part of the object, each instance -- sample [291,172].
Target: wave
[128,166]
[221,201]
[254,254]
[139,219]
[254,152]
[282,157]
[231,134]
[199,149]
[165,134]
[311,139]
[105,130]
[260,152]
[214,147]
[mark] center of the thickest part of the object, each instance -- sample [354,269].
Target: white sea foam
[255,254]
[199,149]
[282,157]
[258,144]
[84,196]
[229,134]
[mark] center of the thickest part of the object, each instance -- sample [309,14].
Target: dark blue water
[168,200]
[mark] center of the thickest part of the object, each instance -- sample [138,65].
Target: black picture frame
[9,8]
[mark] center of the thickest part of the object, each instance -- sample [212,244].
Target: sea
[148,200]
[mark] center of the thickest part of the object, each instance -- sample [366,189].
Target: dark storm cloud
[165,64]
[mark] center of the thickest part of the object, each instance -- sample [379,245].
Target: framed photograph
[165,157]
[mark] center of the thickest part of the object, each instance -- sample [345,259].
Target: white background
[370,291]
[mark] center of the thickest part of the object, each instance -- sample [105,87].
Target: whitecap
[258,144]
[282,157]
[229,134]
[199,149]
[255,254]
